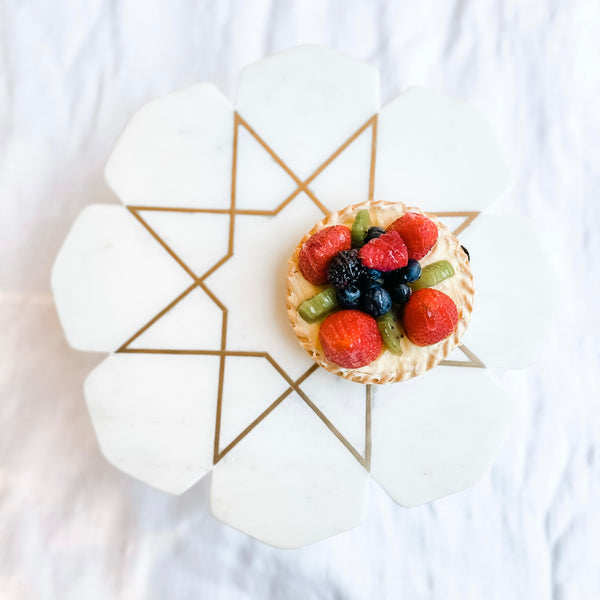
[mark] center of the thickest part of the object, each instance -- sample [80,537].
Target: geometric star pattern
[199,282]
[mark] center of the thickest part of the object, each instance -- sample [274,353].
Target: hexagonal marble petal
[513,310]
[176,151]
[438,153]
[111,277]
[306,101]
[438,433]
[154,416]
[290,482]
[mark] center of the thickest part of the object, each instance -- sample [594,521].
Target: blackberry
[374,232]
[344,269]
[348,297]
[375,302]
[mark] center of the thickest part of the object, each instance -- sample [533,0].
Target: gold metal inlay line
[368,412]
[472,362]
[470,216]
[199,281]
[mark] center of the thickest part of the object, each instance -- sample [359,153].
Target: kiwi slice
[433,274]
[319,306]
[388,328]
[359,229]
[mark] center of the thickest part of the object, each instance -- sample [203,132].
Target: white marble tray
[184,287]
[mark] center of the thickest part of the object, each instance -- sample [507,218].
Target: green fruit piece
[361,225]
[318,306]
[388,328]
[432,275]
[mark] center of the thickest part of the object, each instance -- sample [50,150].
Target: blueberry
[371,278]
[375,302]
[467,253]
[348,297]
[411,272]
[370,284]
[400,293]
[371,273]
[374,232]
[344,269]
[391,278]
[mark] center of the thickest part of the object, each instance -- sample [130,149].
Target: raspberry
[318,250]
[350,339]
[418,232]
[385,253]
[344,269]
[430,316]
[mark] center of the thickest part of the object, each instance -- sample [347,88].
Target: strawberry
[385,253]
[418,232]
[319,249]
[430,316]
[350,339]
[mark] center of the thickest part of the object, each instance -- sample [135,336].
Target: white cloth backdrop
[71,526]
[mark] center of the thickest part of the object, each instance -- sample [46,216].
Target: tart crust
[415,360]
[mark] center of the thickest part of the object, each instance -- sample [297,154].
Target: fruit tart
[379,292]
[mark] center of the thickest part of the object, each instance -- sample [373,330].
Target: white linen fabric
[72,526]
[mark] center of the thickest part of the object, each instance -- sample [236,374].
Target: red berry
[385,253]
[350,339]
[319,249]
[418,232]
[430,316]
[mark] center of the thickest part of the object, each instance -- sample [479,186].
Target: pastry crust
[415,360]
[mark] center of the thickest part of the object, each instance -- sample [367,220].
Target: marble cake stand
[184,286]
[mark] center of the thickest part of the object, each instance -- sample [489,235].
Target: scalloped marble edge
[373,373]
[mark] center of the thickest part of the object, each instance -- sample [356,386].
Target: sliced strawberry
[350,339]
[430,316]
[418,232]
[385,253]
[319,249]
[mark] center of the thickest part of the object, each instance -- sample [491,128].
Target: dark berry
[348,297]
[411,272]
[375,302]
[344,269]
[374,232]
[371,284]
[370,278]
[371,273]
[467,253]
[400,293]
